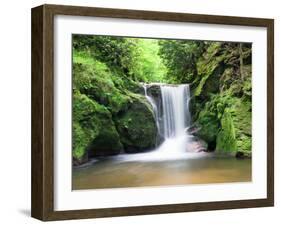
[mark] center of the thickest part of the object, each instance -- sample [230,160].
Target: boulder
[137,128]
[90,135]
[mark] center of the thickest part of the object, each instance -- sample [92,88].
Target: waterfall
[172,116]
[176,116]
[170,104]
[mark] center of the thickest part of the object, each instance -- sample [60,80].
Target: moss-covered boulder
[209,118]
[136,126]
[235,134]
[100,84]
[226,138]
[208,124]
[84,127]
[90,135]
[242,121]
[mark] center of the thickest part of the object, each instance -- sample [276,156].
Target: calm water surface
[124,171]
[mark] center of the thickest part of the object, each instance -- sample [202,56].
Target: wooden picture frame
[43,112]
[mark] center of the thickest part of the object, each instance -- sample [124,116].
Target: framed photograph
[141,112]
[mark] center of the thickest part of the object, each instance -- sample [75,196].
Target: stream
[203,168]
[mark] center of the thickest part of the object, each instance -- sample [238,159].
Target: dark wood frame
[42,203]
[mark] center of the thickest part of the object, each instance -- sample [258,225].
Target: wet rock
[242,155]
[197,145]
[79,161]
[192,130]
[137,127]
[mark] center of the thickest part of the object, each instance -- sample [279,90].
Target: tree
[116,52]
[180,57]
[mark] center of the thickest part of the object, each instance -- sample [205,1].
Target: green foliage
[116,52]
[136,59]
[180,58]
[149,66]
[95,80]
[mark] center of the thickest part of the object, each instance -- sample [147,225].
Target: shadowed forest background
[111,114]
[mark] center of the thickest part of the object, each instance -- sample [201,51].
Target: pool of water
[136,170]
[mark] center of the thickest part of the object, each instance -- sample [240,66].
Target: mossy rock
[94,132]
[209,127]
[242,121]
[225,123]
[226,139]
[99,84]
[154,90]
[107,142]
[81,139]
[210,82]
[236,131]
[210,68]
[137,127]
[84,127]
[209,117]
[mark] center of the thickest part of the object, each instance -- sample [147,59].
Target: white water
[176,116]
[175,119]
[171,124]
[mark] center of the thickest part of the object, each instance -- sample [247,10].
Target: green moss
[98,83]
[242,120]
[107,142]
[209,119]
[84,127]
[225,123]
[137,126]
[89,120]
[235,133]
[80,141]
[209,70]
[209,126]
[226,139]
[244,144]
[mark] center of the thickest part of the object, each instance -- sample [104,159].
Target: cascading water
[176,116]
[175,119]
[172,116]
